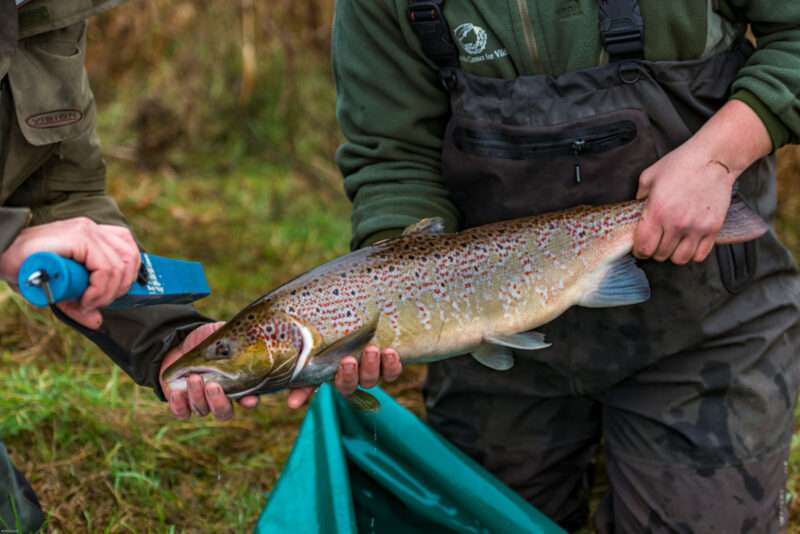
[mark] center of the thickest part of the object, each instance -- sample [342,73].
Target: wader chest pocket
[514,171]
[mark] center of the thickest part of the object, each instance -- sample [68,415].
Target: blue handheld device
[47,278]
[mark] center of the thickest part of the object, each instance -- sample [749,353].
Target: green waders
[692,391]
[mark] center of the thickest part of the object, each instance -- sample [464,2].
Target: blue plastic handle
[161,281]
[66,278]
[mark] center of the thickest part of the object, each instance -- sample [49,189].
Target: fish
[431,295]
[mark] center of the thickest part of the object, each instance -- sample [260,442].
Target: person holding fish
[479,112]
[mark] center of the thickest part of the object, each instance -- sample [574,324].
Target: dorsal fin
[430,225]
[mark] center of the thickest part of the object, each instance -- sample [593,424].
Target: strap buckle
[625,41]
[433,32]
[622,29]
[420,12]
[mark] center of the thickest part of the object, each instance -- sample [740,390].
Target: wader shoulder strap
[622,29]
[428,22]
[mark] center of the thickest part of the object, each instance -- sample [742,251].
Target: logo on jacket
[54,119]
[472,38]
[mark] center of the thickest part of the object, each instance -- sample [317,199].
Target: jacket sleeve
[135,339]
[392,111]
[12,221]
[71,183]
[770,82]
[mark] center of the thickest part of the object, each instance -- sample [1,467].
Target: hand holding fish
[203,398]
[199,397]
[375,363]
[688,191]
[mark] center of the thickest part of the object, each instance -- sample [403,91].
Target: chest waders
[693,390]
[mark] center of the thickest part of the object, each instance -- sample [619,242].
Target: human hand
[198,397]
[109,253]
[374,364]
[688,191]
[687,199]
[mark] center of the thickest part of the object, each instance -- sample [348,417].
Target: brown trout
[432,295]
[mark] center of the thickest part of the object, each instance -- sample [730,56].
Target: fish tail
[741,224]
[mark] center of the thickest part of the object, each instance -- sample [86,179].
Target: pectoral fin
[361,400]
[494,356]
[522,341]
[624,284]
[351,344]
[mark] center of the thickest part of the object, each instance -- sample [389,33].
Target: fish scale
[432,295]
[417,281]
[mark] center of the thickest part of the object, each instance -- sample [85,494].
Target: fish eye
[222,349]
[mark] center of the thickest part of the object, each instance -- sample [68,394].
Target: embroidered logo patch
[54,119]
[473,41]
[472,38]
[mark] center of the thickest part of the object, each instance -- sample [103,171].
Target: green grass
[103,454]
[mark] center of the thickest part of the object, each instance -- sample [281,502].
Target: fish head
[256,352]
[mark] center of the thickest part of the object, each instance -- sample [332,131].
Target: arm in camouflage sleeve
[392,111]
[770,82]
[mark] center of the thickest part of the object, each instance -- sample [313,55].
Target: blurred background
[218,125]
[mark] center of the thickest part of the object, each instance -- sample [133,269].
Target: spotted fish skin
[432,295]
[439,295]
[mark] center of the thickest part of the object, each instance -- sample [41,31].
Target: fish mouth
[179,382]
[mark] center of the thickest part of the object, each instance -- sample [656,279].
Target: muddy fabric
[20,511]
[692,391]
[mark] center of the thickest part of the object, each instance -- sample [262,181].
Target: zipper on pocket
[498,144]
[577,148]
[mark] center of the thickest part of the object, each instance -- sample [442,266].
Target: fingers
[202,399]
[374,365]
[250,401]
[391,365]
[218,403]
[127,251]
[685,251]
[704,249]
[197,395]
[667,245]
[105,270]
[298,397]
[370,367]
[347,376]
[179,404]
[647,237]
[91,319]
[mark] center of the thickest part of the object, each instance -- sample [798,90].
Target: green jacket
[51,164]
[393,110]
